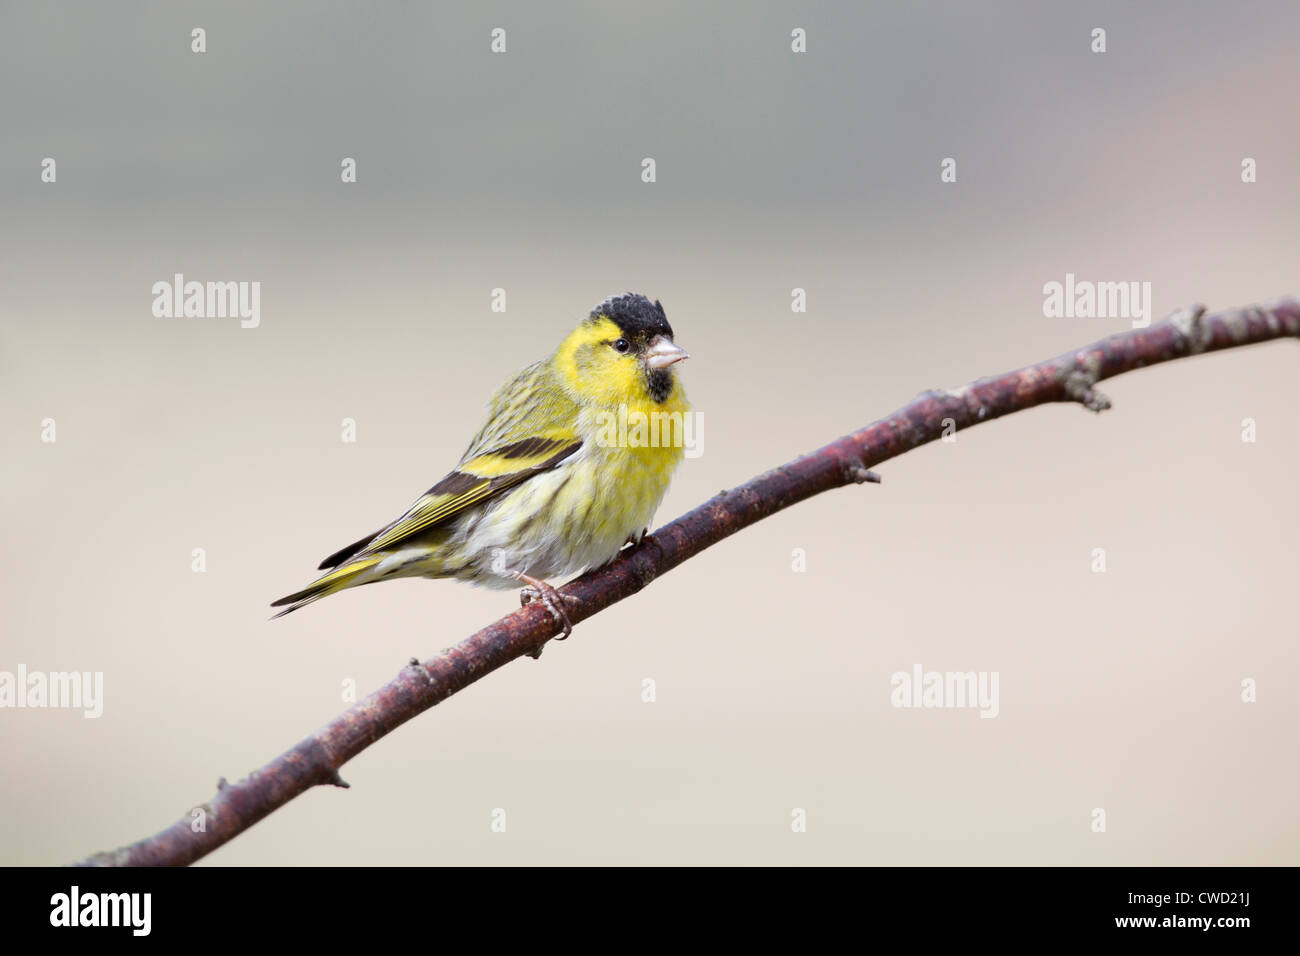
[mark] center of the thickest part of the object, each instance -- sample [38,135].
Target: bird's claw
[553,601]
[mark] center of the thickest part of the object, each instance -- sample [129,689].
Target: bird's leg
[551,599]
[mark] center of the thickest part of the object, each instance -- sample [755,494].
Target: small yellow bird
[561,475]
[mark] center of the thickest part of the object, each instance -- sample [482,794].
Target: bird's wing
[531,403]
[529,430]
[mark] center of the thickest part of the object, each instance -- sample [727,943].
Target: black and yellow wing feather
[529,430]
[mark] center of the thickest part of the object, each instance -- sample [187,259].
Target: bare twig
[1071,377]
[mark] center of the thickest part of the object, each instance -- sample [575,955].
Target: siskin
[541,491]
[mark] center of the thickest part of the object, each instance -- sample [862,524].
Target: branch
[1068,378]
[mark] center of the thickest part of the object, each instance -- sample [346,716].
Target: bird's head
[622,353]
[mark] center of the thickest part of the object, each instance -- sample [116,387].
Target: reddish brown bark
[1068,378]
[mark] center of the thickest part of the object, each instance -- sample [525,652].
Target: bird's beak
[662,353]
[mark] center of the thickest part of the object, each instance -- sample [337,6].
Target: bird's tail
[345,576]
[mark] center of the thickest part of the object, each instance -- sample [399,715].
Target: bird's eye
[622,345]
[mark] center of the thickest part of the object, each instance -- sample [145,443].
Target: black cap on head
[638,317]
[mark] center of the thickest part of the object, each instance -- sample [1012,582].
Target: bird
[562,474]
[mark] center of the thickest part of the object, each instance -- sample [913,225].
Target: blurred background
[775,171]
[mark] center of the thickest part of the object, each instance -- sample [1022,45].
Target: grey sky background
[775,171]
